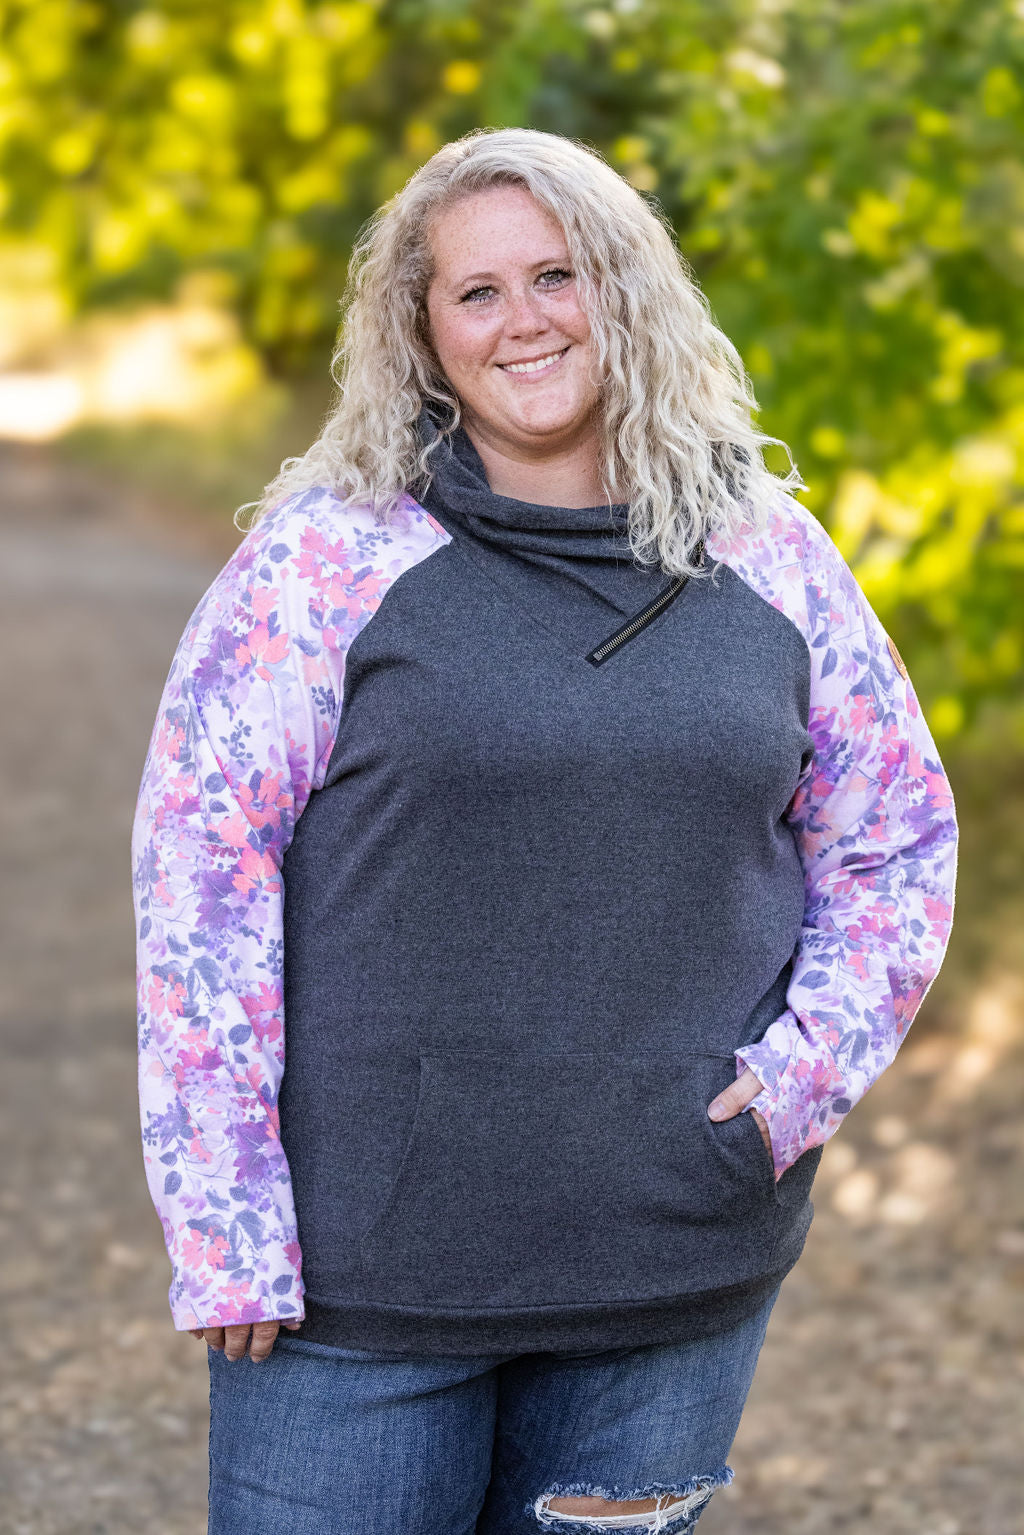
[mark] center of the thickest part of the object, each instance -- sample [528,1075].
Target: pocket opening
[383,1214]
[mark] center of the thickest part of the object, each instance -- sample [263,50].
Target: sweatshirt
[472,860]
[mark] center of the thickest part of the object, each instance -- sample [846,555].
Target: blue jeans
[317,1440]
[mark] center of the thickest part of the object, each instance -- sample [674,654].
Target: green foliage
[844,175]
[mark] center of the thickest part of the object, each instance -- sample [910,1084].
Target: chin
[550,418]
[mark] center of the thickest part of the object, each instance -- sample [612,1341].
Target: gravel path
[890,1394]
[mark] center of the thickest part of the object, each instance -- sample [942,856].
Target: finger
[236,1339]
[733,1099]
[292,1326]
[263,1335]
[762,1125]
[214,1337]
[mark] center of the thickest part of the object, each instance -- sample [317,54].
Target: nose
[524,314]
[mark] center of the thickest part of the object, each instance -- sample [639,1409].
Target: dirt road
[890,1393]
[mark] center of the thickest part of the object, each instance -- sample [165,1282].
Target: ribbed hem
[535,1329]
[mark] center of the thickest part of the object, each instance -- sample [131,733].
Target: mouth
[534,365]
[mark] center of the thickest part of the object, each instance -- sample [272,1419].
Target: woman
[538,763]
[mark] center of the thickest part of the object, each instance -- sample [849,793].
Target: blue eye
[475,295]
[557,271]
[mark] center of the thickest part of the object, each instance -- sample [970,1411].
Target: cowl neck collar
[459,491]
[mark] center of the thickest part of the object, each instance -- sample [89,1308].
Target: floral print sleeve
[243,735]
[874,823]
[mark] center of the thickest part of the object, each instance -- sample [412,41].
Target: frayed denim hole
[687,1502]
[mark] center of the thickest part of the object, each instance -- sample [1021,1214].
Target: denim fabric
[319,1440]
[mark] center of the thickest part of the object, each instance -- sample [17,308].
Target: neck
[555,475]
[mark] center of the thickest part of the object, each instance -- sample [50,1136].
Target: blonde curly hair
[678,442]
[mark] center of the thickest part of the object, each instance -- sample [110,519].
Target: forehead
[502,226]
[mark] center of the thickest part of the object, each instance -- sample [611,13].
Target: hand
[735,1099]
[234,1338]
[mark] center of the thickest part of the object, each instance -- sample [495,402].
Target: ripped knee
[597,1509]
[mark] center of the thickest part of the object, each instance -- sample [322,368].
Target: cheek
[580,325]
[460,343]
[567,315]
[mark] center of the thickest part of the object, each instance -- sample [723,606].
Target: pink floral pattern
[243,735]
[876,831]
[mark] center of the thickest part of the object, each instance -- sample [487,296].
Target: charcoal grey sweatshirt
[546,847]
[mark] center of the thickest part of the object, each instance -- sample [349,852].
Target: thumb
[734,1098]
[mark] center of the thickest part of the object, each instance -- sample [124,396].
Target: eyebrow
[482,277]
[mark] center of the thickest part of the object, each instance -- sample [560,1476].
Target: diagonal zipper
[640,620]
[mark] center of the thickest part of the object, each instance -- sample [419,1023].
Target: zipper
[640,620]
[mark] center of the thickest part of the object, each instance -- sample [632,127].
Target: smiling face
[507,326]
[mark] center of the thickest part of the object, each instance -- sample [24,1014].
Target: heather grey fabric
[533,910]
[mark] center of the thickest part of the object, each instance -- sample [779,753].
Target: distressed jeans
[317,1440]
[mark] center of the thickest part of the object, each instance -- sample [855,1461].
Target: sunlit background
[180,186]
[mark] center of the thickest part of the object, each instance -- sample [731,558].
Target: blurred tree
[844,175]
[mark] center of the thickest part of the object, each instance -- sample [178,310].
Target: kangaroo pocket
[533,1179]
